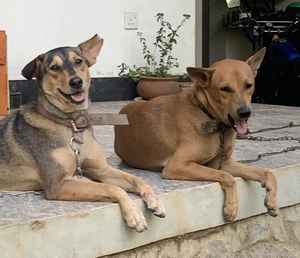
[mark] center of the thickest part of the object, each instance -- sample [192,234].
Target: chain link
[77,156]
[269,139]
[290,125]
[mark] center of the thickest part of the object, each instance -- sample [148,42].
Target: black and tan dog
[190,135]
[47,145]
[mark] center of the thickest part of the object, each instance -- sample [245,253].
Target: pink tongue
[78,97]
[241,127]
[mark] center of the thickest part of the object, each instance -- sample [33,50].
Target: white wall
[35,26]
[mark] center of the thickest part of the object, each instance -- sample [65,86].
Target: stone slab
[255,237]
[31,227]
[97,231]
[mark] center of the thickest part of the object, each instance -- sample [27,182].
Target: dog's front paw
[230,212]
[135,218]
[271,205]
[153,203]
[271,193]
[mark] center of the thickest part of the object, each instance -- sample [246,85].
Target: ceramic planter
[151,87]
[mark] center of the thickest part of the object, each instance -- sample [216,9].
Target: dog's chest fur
[32,138]
[214,148]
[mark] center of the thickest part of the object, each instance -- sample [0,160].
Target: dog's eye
[54,67]
[78,61]
[248,86]
[227,89]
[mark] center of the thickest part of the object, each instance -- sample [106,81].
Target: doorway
[4,92]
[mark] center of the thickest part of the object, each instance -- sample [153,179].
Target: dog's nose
[76,83]
[244,112]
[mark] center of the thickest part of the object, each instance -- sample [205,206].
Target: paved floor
[15,208]
[265,116]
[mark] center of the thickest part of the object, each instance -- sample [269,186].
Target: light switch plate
[130,20]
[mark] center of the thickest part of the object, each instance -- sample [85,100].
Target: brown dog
[51,146]
[190,135]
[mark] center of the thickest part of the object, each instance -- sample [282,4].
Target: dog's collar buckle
[74,127]
[79,124]
[209,127]
[213,126]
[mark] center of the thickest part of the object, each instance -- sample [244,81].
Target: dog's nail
[142,226]
[273,212]
[159,214]
[229,218]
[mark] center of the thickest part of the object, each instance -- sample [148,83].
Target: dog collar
[78,122]
[212,126]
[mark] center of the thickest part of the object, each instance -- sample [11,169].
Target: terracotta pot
[151,87]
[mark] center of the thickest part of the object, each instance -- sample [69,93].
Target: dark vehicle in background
[278,81]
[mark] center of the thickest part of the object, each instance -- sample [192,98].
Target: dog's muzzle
[241,124]
[244,112]
[78,97]
[76,83]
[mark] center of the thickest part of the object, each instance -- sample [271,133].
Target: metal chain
[77,156]
[290,125]
[221,151]
[269,139]
[266,154]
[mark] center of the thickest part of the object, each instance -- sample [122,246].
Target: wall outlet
[130,20]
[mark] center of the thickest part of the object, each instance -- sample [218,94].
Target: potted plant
[155,78]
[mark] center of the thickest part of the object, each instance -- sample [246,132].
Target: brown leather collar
[78,121]
[212,126]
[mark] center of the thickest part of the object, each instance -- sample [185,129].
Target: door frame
[202,33]
[4,90]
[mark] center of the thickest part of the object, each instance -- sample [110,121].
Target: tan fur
[165,132]
[36,151]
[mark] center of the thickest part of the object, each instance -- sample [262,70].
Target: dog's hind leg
[19,178]
[130,183]
[265,177]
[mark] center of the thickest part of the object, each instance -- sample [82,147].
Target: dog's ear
[255,61]
[91,48]
[201,76]
[33,69]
